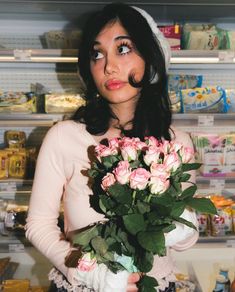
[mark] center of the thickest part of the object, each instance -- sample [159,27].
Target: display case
[38,52]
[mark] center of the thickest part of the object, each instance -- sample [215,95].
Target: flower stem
[133,197]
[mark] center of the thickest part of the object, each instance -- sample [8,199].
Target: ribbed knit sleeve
[49,182]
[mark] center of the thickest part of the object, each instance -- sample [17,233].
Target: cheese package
[211,99]
[177,82]
[201,37]
[63,102]
[19,102]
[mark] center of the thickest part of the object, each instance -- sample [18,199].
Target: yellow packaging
[15,139]
[16,285]
[17,165]
[4,161]
[233,217]
[38,289]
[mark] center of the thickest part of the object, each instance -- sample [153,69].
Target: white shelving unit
[25,59]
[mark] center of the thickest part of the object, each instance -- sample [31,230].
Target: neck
[124,112]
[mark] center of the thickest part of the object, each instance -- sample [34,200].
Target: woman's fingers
[134,278]
[132,288]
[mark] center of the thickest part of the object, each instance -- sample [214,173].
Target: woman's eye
[96,55]
[124,49]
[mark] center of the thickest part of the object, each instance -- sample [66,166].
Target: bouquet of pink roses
[137,186]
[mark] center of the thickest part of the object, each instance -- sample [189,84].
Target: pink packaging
[173,35]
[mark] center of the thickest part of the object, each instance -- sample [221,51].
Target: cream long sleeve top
[60,176]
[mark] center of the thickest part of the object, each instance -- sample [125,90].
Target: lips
[114,84]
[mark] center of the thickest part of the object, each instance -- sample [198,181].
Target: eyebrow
[120,37]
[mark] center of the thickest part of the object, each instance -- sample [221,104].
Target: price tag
[22,55]
[206,120]
[16,247]
[230,243]
[218,184]
[226,56]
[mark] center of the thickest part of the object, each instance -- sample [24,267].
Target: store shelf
[39,55]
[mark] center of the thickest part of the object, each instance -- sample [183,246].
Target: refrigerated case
[28,61]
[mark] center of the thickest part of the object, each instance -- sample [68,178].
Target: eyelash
[125,44]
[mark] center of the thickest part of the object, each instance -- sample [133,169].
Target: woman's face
[113,60]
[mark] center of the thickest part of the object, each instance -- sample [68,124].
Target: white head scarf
[159,36]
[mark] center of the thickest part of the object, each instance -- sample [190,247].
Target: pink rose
[172,161]
[187,154]
[86,263]
[157,169]
[152,141]
[139,178]
[122,172]
[102,150]
[152,155]
[175,146]
[158,184]
[128,150]
[166,147]
[107,181]
[114,142]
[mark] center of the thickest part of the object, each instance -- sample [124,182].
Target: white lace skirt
[61,282]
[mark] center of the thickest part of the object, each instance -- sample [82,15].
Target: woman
[123,61]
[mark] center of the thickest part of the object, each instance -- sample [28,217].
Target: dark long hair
[152,115]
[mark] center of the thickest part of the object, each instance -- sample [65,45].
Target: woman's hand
[132,281]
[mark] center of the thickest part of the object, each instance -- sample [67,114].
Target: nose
[111,65]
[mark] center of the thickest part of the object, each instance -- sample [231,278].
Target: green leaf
[99,245]
[169,228]
[184,177]
[153,241]
[147,284]
[202,205]
[145,262]
[190,166]
[189,192]
[109,161]
[178,208]
[134,223]
[93,173]
[83,238]
[121,193]
[185,222]
[143,207]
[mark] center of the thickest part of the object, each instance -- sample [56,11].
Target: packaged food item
[15,139]
[16,285]
[207,99]
[221,223]
[57,39]
[4,161]
[173,35]
[63,102]
[230,97]
[75,39]
[17,102]
[233,216]
[17,165]
[177,82]
[230,39]
[203,224]
[210,149]
[175,101]
[201,37]
[38,289]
